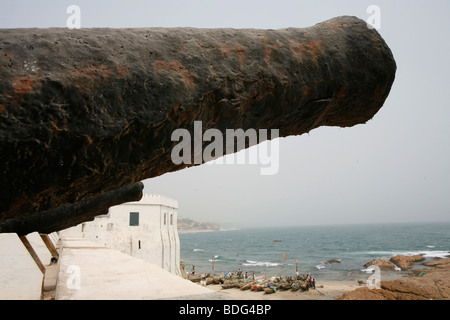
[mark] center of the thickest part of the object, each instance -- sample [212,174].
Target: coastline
[426,281]
[430,282]
[325,290]
[402,270]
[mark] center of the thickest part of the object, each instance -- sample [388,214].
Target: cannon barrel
[70,215]
[88,111]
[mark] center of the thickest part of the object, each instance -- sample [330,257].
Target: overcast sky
[395,168]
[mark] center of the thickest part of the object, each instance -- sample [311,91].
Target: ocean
[308,248]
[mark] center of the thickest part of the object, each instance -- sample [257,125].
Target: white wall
[153,240]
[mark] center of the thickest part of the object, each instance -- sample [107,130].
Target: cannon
[85,112]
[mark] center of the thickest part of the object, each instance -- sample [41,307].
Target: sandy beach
[325,290]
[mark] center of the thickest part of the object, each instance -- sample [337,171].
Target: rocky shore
[400,262]
[432,282]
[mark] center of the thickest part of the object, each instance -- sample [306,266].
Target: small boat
[285,286]
[272,287]
[304,286]
[248,285]
[195,277]
[258,287]
[217,280]
[228,285]
[270,290]
[295,286]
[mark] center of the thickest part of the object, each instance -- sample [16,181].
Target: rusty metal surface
[70,215]
[83,112]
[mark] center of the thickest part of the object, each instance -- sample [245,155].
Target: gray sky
[395,168]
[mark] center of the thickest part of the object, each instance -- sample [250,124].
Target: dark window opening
[134,218]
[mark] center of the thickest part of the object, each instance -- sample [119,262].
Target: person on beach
[193,269]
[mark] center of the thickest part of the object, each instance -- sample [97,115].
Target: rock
[439,263]
[382,263]
[434,284]
[333,261]
[88,111]
[406,262]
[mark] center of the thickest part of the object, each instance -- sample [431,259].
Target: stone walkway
[88,271]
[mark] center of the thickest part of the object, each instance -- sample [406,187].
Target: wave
[250,263]
[435,254]
[425,253]
[198,250]
[320,266]
[370,270]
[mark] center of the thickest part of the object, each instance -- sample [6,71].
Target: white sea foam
[320,266]
[435,254]
[250,263]
[368,270]
[198,250]
[425,253]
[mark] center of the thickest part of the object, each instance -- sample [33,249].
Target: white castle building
[146,229]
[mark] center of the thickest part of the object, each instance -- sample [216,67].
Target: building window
[165,216]
[139,244]
[171,219]
[134,218]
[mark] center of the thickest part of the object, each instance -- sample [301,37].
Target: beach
[325,290]
[429,281]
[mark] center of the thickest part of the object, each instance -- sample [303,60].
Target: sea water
[307,249]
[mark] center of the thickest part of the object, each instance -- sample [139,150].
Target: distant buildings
[146,229]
